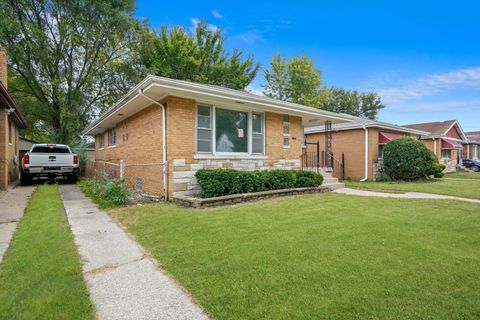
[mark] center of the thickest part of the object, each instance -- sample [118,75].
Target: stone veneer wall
[184,182]
[378,173]
[450,165]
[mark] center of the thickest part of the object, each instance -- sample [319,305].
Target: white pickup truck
[50,161]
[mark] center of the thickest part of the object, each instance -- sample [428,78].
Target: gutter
[366,153]
[164,142]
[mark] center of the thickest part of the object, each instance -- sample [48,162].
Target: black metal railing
[314,161]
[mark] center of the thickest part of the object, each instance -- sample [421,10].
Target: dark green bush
[437,170]
[280,179]
[408,159]
[221,182]
[308,179]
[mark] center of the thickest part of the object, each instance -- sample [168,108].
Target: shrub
[437,170]
[308,179]
[280,179]
[218,182]
[221,182]
[408,159]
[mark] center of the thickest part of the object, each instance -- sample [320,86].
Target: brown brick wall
[274,137]
[352,144]
[9,162]
[144,144]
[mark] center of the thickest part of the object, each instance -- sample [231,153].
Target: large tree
[199,57]
[295,80]
[69,59]
[360,104]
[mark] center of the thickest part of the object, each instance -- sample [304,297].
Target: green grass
[41,277]
[463,175]
[326,256]
[459,188]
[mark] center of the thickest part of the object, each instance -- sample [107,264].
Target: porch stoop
[330,181]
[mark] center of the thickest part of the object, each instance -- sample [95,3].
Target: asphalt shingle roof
[435,128]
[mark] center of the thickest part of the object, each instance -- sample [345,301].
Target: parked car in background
[49,161]
[471,164]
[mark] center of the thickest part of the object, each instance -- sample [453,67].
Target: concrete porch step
[330,180]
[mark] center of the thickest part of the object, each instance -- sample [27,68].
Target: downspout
[468,150]
[164,142]
[435,146]
[366,153]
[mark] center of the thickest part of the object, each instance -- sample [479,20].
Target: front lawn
[463,175]
[41,275]
[326,256]
[459,188]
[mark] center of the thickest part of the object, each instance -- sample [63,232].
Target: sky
[421,57]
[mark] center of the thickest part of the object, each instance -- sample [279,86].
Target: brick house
[471,148]
[164,130]
[11,120]
[361,142]
[445,140]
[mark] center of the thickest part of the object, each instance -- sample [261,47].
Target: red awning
[451,144]
[386,137]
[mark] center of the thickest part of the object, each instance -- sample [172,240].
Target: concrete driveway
[12,206]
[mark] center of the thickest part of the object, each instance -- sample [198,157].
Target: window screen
[204,129]
[257,133]
[112,137]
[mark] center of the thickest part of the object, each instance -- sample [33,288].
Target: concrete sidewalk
[12,206]
[123,282]
[406,195]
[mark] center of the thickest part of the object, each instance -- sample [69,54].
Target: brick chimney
[3,66]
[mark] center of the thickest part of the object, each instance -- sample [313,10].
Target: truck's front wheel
[25,179]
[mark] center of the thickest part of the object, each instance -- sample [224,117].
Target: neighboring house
[361,142]
[11,120]
[183,127]
[471,149]
[445,140]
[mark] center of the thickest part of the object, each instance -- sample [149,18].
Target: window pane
[286,118]
[286,141]
[257,123]
[257,143]
[286,129]
[203,117]
[231,131]
[204,140]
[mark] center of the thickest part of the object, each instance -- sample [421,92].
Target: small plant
[108,193]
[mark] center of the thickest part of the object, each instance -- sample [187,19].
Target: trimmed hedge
[409,159]
[222,182]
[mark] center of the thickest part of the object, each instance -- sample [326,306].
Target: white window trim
[229,155]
